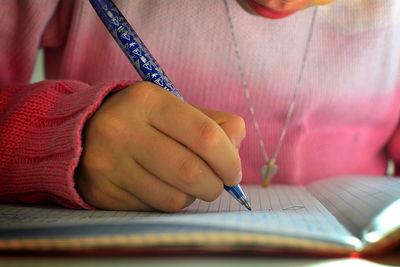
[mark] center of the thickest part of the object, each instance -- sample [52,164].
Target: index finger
[233,126]
[199,133]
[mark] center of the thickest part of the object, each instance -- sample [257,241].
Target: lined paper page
[278,210]
[356,200]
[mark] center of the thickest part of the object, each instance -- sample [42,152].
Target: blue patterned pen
[143,61]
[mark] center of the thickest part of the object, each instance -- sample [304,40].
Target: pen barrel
[133,47]
[143,61]
[235,191]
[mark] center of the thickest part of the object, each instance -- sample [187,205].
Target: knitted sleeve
[40,124]
[40,139]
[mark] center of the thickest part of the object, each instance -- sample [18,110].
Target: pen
[144,63]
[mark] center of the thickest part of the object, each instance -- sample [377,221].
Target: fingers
[151,190]
[199,133]
[129,188]
[233,126]
[102,194]
[145,149]
[175,164]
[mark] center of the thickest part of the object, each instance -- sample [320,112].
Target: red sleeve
[40,124]
[40,139]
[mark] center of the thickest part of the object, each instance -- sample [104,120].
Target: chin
[257,9]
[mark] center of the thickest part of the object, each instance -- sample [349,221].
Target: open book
[338,216]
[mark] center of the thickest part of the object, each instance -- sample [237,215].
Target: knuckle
[109,127]
[208,136]
[142,94]
[190,171]
[148,98]
[175,202]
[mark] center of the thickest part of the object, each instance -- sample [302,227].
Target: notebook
[337,216]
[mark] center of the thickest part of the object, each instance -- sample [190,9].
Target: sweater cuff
[90,102]
[45,142]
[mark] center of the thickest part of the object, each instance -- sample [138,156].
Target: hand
[145,149]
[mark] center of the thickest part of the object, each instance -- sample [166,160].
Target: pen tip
[247,205]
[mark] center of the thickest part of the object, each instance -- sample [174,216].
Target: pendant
[267,172]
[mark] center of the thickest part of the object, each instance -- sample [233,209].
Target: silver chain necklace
[270,167]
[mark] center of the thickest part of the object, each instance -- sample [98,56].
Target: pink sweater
[345,121]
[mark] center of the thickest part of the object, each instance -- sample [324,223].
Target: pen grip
[131,44]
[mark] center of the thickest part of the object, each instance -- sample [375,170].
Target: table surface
[188,261]
[391,258]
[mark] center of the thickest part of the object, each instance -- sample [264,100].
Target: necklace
[270,167]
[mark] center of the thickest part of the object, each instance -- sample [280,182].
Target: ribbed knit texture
[40,139]
[347,112]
